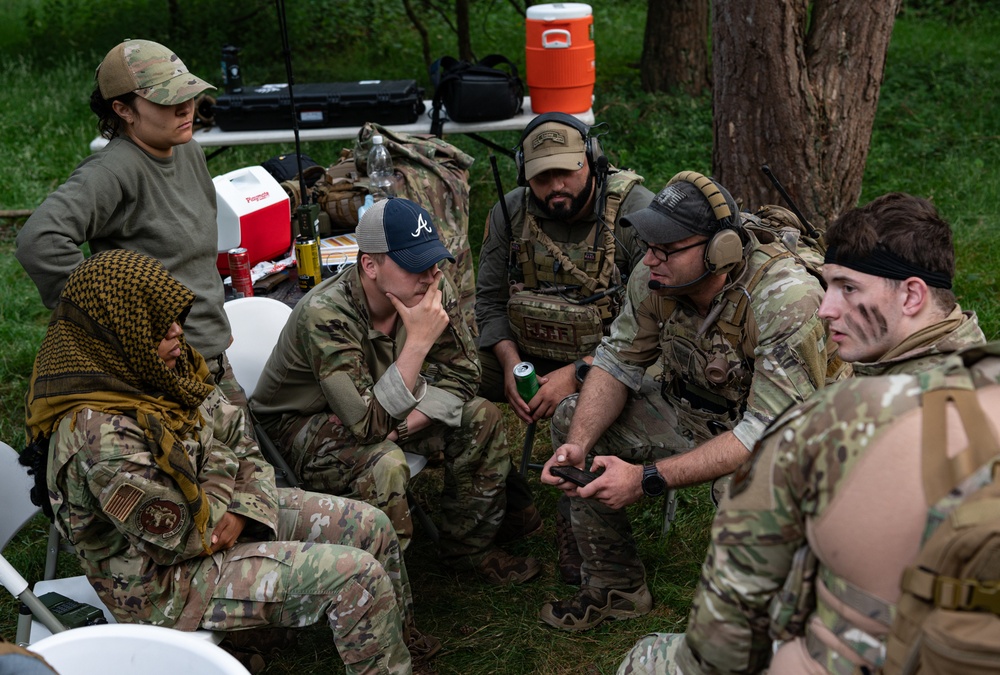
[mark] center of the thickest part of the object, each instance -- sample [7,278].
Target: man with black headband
[554,241]
[889,303]
[733,323]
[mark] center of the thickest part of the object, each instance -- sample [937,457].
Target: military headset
[592,146]
[724,250]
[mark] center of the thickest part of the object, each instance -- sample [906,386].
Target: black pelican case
[329,104]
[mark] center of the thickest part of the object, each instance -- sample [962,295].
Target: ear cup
[724,250]
[592,145]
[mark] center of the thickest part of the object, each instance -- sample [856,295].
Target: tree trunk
[795,86]
[462,29]
[675,47]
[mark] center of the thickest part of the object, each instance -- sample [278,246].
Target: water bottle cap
[377,139]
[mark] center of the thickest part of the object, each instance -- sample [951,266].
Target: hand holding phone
[574,475]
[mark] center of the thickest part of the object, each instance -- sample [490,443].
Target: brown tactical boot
[591,606]
[570,559]
[518,525]
[499,568]
[422,647]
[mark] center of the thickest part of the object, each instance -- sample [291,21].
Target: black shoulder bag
[475,92]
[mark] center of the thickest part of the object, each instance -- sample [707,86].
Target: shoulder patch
[122,501]
[161,516]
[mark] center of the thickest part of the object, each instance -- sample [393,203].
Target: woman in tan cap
[148,190]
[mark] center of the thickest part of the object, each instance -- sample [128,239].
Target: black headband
[882,262]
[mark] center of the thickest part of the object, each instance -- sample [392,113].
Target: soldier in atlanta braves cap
[379,360]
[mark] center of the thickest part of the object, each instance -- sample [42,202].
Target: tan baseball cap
[553,146]
[150,70]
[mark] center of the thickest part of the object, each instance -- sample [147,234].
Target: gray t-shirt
[123,197]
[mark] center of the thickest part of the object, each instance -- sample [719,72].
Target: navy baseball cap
[404,230]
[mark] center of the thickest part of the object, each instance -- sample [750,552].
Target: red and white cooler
[560,57]
[254,214]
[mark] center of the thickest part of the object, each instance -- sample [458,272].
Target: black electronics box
[329,104]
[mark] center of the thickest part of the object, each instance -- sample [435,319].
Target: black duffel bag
[475,92]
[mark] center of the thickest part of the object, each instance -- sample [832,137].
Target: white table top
[213,136]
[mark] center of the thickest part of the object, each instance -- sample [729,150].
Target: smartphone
[573,475]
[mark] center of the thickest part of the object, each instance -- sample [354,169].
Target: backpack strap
[740,326]
[940,472]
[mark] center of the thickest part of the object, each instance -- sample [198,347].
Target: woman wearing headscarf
[171,508]
[148,190]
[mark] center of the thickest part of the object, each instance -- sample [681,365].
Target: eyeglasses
[663,254]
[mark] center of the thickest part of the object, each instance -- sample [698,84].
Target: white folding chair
[16,510]
[134,649]
[256,324]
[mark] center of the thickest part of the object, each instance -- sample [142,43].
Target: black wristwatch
[653,484]
[582,368]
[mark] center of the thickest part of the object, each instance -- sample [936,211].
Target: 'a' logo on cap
[422,225]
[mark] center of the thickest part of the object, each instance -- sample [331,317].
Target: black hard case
[329,104]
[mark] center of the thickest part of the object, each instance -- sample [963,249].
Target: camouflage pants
[327,457]
[334,557]
[647,430]
[654,654]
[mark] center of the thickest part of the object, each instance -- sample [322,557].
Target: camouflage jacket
[128,521]
[929,347]
[329,358]
[841,474]
[496,273]
[713,384]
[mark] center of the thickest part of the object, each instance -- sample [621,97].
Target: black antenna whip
[810,230]
[307,214]
[287,51]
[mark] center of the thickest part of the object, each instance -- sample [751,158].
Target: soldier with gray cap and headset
[702,275]
[550,281]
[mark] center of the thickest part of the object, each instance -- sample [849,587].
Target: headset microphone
[657,286]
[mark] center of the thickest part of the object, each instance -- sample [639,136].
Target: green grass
[936,135]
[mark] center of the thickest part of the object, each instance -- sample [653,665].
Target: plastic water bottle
[369,201]
[380,171]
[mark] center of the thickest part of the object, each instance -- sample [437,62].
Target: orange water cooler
[560,57]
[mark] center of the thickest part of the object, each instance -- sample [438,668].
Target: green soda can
[527,383]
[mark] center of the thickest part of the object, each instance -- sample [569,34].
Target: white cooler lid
[559,10]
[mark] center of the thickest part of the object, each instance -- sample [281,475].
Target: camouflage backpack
[948,617]
[435,174]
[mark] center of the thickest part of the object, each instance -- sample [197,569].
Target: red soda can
[239,268]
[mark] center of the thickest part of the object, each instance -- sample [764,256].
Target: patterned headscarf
[100,352]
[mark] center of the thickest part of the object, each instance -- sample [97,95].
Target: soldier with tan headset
[734,324]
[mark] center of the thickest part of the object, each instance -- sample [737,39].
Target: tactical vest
[547,316]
